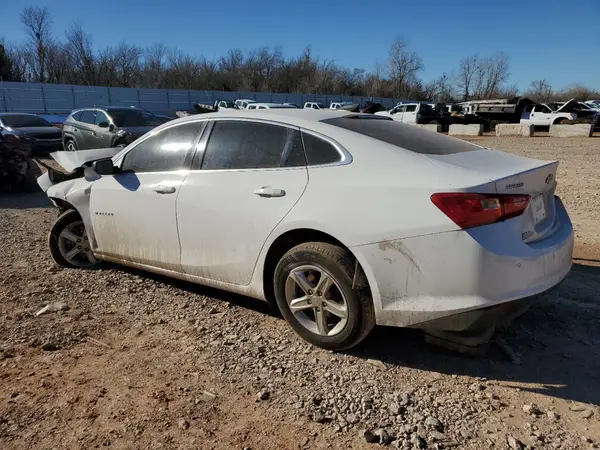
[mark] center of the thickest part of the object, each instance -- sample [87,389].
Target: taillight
[471,210]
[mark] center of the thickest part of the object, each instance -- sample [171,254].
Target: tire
[493,124]
[60,246]
[338,265]
[71,145]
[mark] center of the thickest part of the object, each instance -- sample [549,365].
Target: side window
[163,152]
[76,116]
[251,107]
[101,117]
[88,117]
[318,151]
[528,108]
[411,108]
[252,145]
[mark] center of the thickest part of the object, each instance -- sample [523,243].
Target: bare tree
[402,67]
[540,91]
[467,69]
[37,23]
[79,47]
[490,75]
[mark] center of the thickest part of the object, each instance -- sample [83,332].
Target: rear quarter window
[406,136]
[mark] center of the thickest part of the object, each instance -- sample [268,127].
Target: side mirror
[103,124]
[104,167]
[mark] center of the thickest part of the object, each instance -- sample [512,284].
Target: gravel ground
[131,360]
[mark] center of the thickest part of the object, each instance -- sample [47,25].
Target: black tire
[493,124]
[340,265]
[71,145]
[67,218]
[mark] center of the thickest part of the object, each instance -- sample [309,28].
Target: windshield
[23,120]
[134,118]
[402,135]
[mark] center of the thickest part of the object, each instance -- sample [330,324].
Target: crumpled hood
[71,160]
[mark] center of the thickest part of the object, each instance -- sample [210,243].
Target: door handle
[269,191]
[160,189]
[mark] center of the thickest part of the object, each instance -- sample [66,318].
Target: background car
[340,220]
[31,132]
[106,127]
[270,106]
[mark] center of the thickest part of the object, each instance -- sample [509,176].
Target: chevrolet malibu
[341,220]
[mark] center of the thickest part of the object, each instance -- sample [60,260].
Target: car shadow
[556,343]
[24,201]
[554,347]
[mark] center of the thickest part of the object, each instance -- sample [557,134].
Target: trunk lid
[512,174]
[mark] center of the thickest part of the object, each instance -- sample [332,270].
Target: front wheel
[69,243]
[70,146]
[314,291]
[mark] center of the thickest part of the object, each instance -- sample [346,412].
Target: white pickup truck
[544,116]
[415,113]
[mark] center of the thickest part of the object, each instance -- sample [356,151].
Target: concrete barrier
[465,130]
[514,129]
[431,127]
[575,130]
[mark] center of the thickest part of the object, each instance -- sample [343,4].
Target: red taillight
[471,210]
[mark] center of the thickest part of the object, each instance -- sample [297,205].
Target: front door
[541,116]
[103,136]
[410,114]
[134,212]
[251,175]
[86,126]
[398,112]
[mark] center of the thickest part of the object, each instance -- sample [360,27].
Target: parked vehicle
[417,113]
[545,115]
[593,103]
[493,112]
[340,105]
[31,132]
[243,103]
[223,105]
[463,221]
[111,126]
[372,108]
[270,106]
[314,105]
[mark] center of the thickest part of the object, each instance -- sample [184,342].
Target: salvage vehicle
[243,103]
[270,106]
[314,105]
[417,113]
[493,112]
[30,132]
[279,206]
[557,113]
[111,126]
[223,105]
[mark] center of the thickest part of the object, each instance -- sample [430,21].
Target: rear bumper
[417,282]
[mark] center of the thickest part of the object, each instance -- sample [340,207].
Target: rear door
[248,177]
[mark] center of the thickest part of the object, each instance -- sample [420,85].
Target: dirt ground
[138,361]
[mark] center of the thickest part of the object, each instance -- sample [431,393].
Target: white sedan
[341,221]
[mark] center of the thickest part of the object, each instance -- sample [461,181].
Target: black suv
[112,126]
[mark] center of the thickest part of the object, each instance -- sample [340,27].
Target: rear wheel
[69,243]
[314,292]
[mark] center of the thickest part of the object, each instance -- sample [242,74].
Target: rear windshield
[23,120]
[402,135]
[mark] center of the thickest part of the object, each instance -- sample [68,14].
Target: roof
[292,116]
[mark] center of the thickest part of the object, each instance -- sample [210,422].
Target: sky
[545,39]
